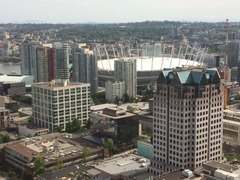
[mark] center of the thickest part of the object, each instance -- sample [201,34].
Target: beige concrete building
[4,117]
[57,102]
[231,127]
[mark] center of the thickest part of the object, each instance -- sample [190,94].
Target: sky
[118,11]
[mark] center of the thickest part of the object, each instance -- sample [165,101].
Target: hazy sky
[110,11]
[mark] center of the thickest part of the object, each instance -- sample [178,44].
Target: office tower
[26,54]
[59,102]
[187,119]
[114,90]
[85,67]
[125,70]
[59,59]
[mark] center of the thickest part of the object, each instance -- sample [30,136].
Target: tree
[88,124]
[39,163]
[59,164]
[85,153]
[12,175]
[117,99]
[6,138]
[126,98]
[110,145]
[99,98]
[69,127]
[130,109]
[76,125]
[59,129]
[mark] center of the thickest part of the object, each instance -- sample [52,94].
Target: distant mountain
[28,22]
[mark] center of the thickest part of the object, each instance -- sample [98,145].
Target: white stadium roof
[17,78]
[150,64]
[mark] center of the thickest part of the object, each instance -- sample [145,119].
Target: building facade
[187,119]
[4,117]
[85,68]
[59,102]
[125,70]
[41,65]
[59,60]
[231,127]
[114,90]
[45,61]
[26,54]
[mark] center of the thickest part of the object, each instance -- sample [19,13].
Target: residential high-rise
[26,53]
[187,119]
[233,52]
[114,90]
[50,62]
[59,59]
[85,68]
[58,102]
[125,70]
[41,65]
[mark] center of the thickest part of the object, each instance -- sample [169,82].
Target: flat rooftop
[231,122]
[124,165]
[59,85]
[114,113]
[221,166]
[63,172]
[102,106]
[140,106]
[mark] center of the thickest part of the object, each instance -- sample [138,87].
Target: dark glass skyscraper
[85,68]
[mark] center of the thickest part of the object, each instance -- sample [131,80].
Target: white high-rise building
[57,102]
[125,70]
[114,89]
[187,119]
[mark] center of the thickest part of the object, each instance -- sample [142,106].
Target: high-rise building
[26,53]
[50,62]
[41,65]
[85,68]
[125,70]
[59,57]
[233,53]
[187,119]
[58,102]
[114,90]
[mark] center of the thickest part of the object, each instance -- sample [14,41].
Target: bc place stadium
[150,60]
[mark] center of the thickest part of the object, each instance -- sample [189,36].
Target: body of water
[10,68]
[13,68]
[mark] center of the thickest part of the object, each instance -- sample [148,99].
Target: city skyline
[116,11]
